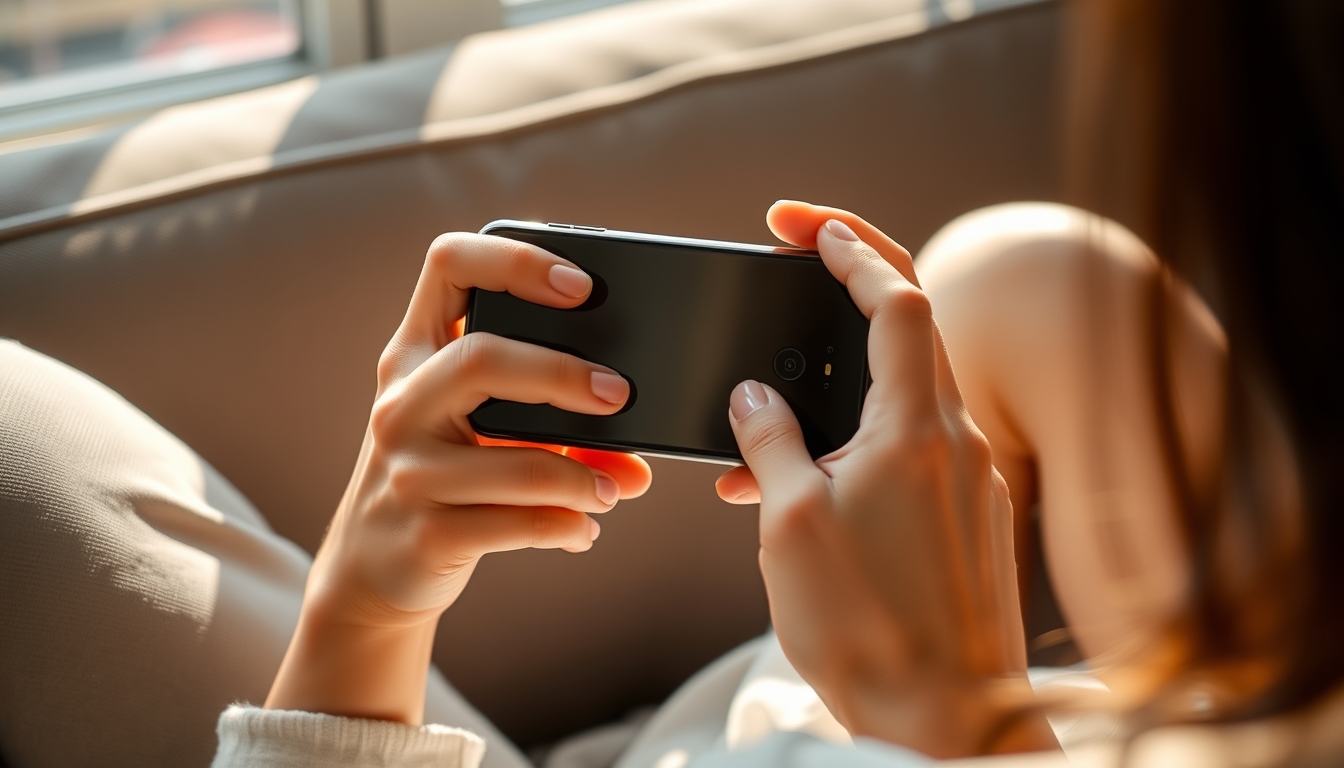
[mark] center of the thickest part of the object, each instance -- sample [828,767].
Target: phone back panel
[685,321]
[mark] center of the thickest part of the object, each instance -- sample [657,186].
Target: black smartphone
[684,321]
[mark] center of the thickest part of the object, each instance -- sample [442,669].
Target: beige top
[772,718]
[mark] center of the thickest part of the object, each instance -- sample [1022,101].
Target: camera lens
[789,364]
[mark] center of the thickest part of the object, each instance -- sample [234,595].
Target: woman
[1185,458]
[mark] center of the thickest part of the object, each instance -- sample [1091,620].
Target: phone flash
[828,369]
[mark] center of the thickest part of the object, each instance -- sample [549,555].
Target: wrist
[949,720]
[338,667]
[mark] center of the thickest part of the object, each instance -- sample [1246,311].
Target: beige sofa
[234,267]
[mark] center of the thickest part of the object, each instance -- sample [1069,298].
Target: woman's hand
[889,563]
[428,498]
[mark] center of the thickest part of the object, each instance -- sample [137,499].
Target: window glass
[55,48]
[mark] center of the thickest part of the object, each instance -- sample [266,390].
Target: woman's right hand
[428,499]
[889,563]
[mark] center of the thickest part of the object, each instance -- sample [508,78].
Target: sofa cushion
[490,83]
[140,592]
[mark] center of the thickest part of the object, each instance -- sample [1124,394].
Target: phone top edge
[599,233]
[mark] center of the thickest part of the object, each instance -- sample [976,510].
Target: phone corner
[498,224]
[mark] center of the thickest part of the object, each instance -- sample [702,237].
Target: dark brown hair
[1215,129]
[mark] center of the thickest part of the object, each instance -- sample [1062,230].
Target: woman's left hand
[428,498]
[889,563]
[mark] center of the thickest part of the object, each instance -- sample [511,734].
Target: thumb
[769,437]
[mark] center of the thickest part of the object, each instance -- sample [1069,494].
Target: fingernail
[572,282]
[594,530]
[841,231]
[746,399]
[610,387]
[608,492]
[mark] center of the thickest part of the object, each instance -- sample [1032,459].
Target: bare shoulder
[1019,292]
[1047,314]
[1030,286]
[1031,240]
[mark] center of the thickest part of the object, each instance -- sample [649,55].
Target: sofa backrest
[234,267]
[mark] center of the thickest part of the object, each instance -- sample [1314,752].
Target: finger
[738,486]
[523,477]
[797,222]
[770,440]
[479,366]
[631,472]
[469,532]
[460,261]
[902,344]
[804,223]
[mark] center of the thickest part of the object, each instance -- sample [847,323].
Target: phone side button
[587,229]
[559,226]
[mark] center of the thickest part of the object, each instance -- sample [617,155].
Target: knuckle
[474,353]
[544,528]
[861,261]
[391,362]
[931,447]
[404,483]
[385,417]
[767,436]
[511,260]
[541,475]
[566,367]
[979,453]
[925,444]
[868,255]
[906,301]
[443,250]
[800,513]
[868,261]
[388,365]
[517,257]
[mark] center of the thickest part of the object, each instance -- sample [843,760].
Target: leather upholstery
[234,267]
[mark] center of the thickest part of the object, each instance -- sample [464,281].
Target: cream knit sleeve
[266,738]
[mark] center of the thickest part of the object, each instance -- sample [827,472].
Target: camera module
[789,364]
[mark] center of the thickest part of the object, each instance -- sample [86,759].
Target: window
[69,63]
[53,49]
